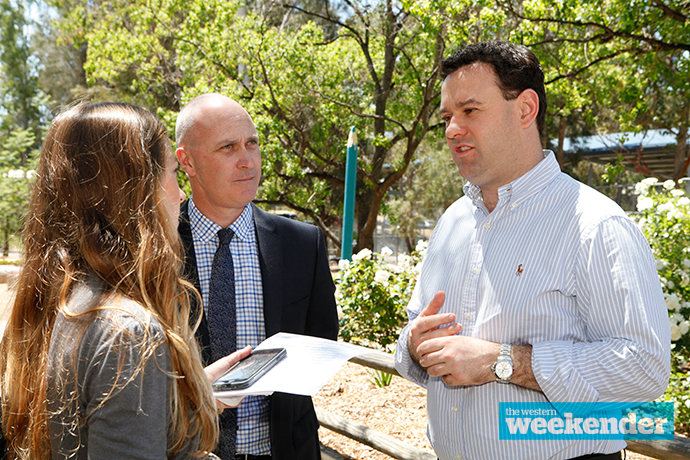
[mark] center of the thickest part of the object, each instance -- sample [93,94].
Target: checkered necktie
[223,330]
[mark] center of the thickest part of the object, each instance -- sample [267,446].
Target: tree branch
[636,52]
[675,15]
[360,114]
[656,44]
[307,212]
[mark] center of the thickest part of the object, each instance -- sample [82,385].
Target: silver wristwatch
[503,367]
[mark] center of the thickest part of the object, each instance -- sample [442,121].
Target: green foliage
[306,83]
[372,296]
[381,379]
[15,182]
[431,185]
[6,261]
[678,391]
[619,65]
[613,171]
[19,93]
[665,221]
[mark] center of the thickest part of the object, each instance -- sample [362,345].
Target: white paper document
[309,365]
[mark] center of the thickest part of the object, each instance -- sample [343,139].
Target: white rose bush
[664,218]
[372,295]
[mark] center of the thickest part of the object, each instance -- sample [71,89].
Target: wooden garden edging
[676,449]
[379,441]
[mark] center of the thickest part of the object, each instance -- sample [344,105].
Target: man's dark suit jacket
[299,298]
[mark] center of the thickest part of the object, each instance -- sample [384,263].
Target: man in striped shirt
[535,288]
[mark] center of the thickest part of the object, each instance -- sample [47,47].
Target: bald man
[282,279]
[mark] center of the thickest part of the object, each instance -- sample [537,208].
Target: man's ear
[186,161]
[529,107]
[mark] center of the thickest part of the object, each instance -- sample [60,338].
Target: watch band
[503,367]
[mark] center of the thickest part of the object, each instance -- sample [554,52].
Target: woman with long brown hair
[98,359]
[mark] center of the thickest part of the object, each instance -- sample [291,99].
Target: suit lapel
[185,230]
[270,250]
[192,275]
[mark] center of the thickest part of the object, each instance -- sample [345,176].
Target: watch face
[503,369]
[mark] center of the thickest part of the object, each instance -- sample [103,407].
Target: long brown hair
[96,209]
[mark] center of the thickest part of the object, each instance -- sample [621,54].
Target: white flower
[684,326]
[683,201]
[644,203]
[381,276]
[675,214]
[386,251]
[672,302]
[670,284]
[642,187]
[421,246]
[663,207]
[669,184]
[343,264]
[686,263]
[677,192]
[677,318]
[405,260]
[684,277]
[661,264]
[675,332]
[362,255]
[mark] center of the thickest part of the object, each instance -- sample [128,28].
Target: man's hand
[218,368]
[428,324]
[461,360]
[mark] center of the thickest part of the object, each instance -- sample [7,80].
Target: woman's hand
[215,370]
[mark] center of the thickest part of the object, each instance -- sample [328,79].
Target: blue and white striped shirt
[253,436]
[561,267]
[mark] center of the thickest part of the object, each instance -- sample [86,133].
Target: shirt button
[468,315]
[513,205]
[475,270]
[454,409]
[487,225]
[458,457]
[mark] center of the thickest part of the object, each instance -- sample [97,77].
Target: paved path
[6,298]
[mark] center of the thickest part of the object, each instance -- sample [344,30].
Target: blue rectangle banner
[635,421]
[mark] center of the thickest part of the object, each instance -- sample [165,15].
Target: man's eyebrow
[228,140]
[468,101]
[460,104]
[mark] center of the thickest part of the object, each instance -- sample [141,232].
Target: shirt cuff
[552,365]
[404,363]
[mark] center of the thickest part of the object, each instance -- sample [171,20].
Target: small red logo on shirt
[519,270]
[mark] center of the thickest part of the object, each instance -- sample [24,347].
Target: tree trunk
[682,157]
[6,244]
[560,154]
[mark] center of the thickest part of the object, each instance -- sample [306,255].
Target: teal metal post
[349,201]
